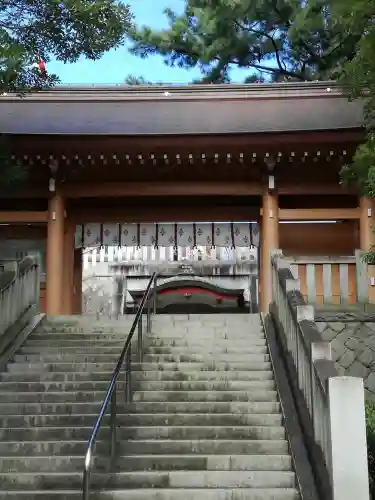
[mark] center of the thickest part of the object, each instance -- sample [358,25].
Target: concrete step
[145,385]
[83,332]
[201,322]
[80,337]
[192,396]
[208,318]
[210,348]
[151,479]
[164,350]
[149,462]
[180,432]
[147,358]
[167,375]
[87,329]
[149,341]
[83,407]
[79,366]
[157,396]
[160,494]
[239,331]
[128,419]
[147,447]
[185,338]
[189,334]
[205,418]
[199,343]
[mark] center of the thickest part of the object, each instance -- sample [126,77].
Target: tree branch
[315,57]
[269,37]
[281,68]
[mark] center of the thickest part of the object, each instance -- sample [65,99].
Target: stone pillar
[347,424]
[269,237]
[68,267]
[55,255]
[367,237]
[366,222]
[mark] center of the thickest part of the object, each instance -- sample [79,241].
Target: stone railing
[329,281]
[331,408]
[19,291]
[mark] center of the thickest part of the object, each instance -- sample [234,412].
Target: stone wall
[352,336]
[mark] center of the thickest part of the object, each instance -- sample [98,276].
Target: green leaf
[34,30]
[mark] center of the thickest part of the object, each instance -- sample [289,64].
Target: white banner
[111,234]
[129,235]
[147,235]
[218,234]
[91,237]
[185,235]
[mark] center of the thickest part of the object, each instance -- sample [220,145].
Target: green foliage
[358,78]
[136,80]
[139,80]
[275,39]
[361,172]
[370,427]
[34,30]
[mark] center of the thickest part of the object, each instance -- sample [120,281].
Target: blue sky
[114,66]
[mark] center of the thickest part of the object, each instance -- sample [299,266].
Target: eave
[181,110]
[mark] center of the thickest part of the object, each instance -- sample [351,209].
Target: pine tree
[273,39]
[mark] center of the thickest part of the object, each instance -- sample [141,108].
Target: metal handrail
[110,397]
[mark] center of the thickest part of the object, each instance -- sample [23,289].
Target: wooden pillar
[68,267]
[55,255]
[269,241]
[77,281]
[367,236]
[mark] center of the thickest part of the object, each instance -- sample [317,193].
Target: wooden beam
[23,232]
[38,144]
[312,189]
[140,189]
[180,189]
[27,217]
[168,214]
[295,214]
[30,193]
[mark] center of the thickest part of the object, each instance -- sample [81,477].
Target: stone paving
[352,336]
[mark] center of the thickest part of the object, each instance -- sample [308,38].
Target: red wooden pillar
[55,255]
[269,241]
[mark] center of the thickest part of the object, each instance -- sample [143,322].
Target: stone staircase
[205,423]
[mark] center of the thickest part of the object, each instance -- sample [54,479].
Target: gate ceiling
[221,234]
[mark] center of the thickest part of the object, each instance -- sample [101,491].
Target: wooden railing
[331,409]
[331,280]
[19,290]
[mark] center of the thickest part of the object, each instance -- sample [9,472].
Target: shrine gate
[114,165]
